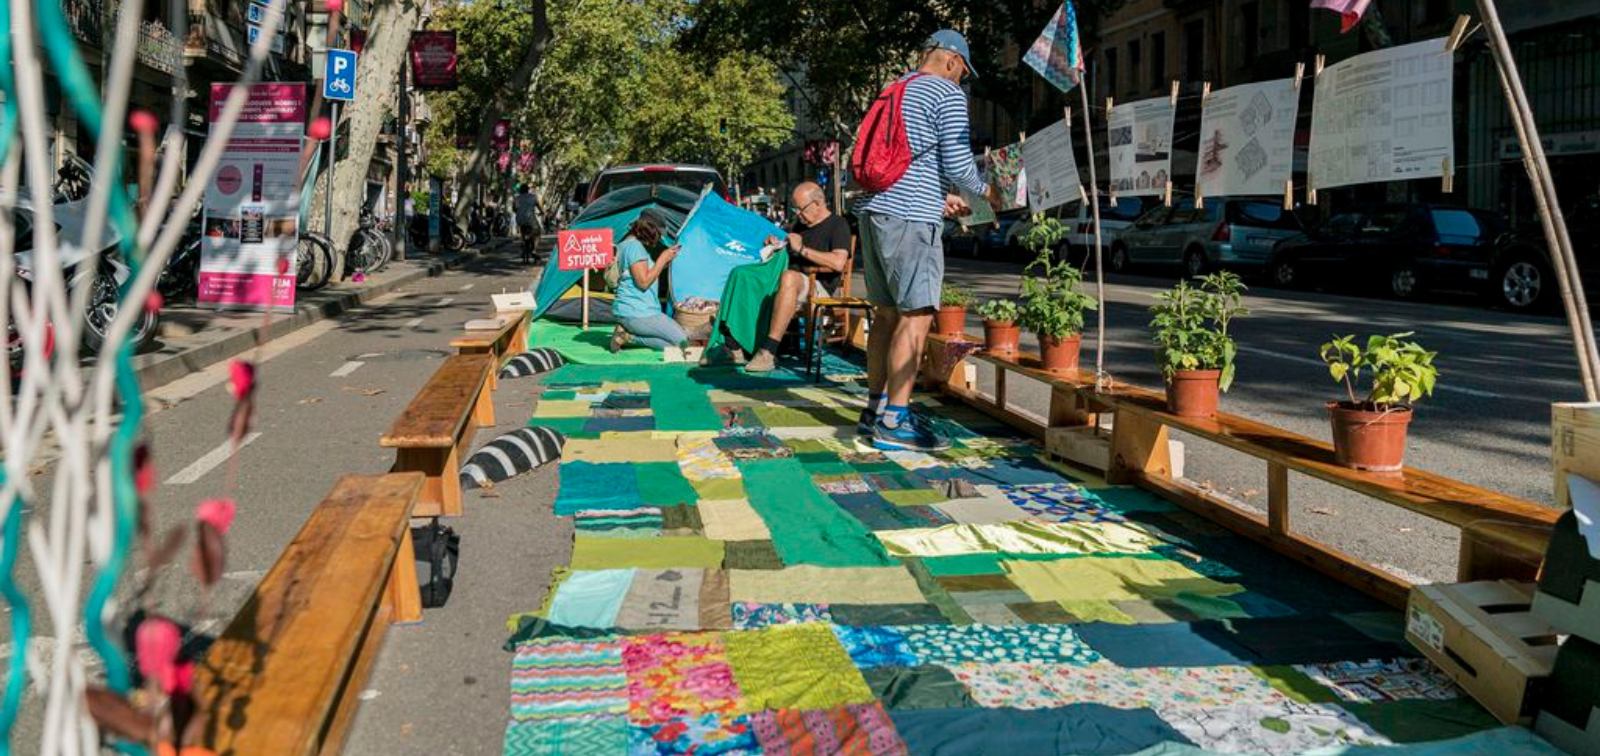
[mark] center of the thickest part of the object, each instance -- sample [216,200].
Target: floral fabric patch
[957,644]
[703,735]
[677,675]
[858,730]
[751,615]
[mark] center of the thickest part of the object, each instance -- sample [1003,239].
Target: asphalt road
[328,391]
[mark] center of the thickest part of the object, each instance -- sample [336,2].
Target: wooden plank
[1138,449]
[435,416]
[1277,497]
[404,595]
[273,681]
[349,696]
[441,490]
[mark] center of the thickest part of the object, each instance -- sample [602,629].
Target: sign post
[584,250]
[338,85]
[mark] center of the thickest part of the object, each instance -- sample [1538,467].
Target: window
[1158,59]
[1261,215]
[1250,31]
[1194,50]
[1125,208]
[1111,71]
[1457,226]
[1135,64]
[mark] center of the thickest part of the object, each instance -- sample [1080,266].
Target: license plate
[1258,241]
[1481,274]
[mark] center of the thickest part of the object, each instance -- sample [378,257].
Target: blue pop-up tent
[617,211]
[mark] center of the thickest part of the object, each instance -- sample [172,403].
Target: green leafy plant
[1189,325]
[999,310]
[955,296]
[1400,371]
[1043,234]
[1051,303]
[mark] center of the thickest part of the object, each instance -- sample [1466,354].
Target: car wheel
[1283,274]
[1194,262]
[1119,258]
[1403,281]
[1522,285]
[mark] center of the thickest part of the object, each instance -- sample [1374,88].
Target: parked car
[959,240]
[691,177]
[1231,232]
[1114,218]
[1406,249]
[1000,239]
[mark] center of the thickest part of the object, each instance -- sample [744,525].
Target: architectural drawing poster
[1383,116]
[1051,168]
[1247,139]
[1140,147]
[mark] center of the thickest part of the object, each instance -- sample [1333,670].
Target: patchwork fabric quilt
[747,578]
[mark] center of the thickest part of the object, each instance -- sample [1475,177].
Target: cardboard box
[1569,716]
[1485,638]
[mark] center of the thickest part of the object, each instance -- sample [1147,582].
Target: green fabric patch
[751,555]
[591,347]
[1130,499]
[763,663]
[662,484]
[806,417]
[925,686]
[989,563]
[867,615]
[681,517]
[559,395]
[718,488]
[936,594]
[567,737]
[681,404]
[1383,625]
[571,427]
[807,527]
[1417,720]
[1295,684]
[746,307]
[614,553]
[913,497]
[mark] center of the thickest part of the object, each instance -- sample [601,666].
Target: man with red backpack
[913,143]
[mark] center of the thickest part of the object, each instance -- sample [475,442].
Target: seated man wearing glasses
[818,241]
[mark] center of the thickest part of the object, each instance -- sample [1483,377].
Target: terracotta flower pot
[1059,355]
[1368,440]
[951,321]
[1193,393]
[1001,338]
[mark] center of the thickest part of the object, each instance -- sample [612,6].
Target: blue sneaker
[910,435]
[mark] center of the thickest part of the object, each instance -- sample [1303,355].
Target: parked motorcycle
[449,237]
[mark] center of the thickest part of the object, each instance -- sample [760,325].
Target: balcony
[87,23]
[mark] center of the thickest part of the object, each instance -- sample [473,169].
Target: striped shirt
[935,113]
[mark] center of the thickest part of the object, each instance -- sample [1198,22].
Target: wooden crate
[1484,637]
[1574,444]
[1085,447]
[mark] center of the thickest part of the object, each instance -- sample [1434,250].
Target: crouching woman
[637,303]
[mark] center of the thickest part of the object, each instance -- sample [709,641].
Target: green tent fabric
[746,308]
[591,347]
[616,211]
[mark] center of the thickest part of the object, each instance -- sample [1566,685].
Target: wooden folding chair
[817,306]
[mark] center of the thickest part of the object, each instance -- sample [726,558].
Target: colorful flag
[1056,54]
[1349,11]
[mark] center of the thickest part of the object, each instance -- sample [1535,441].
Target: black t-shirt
[831,234]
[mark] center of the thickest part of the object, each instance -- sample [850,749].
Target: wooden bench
[502,343]
[1502,536]
[286,675]
[436,429]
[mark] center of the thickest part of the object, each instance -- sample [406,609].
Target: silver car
[1228,232]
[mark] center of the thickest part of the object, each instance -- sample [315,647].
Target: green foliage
[1051,303]
[952,295]
[1044,234]
[999,310]
[1400,371]
[1189,325]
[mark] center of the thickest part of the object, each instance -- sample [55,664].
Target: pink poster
[252,205]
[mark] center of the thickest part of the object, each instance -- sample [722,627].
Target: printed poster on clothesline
[1385,115]
[1247,139]
[251,224]
[1003,169]
[1051,168]
[1140,147]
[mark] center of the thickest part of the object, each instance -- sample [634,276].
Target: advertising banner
[1139,141]
[1383,116]
[433,59]
[252,205]
[1052,168]
[585,249]
[1247,139]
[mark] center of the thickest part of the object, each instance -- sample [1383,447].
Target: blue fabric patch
[587,485]
[878,513]
[635,423]
[875,646]
[1173,644]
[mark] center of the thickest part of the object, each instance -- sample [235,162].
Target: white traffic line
[466,287]
[414,322]
[346,369]
[1319,363]
[446,301]
[206,463]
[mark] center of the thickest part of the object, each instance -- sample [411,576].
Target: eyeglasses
[804,207]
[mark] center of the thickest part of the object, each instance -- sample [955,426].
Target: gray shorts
[904,262]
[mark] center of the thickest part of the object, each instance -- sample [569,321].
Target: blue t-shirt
[632,301]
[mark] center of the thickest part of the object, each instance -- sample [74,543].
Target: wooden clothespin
[1311,195]
[1166,195]
[1108,107]
[1458,33]
[1288,194]
[1448,176]
[1083,194]
[1067,111]
[1299,73]
[1199,195]
[1321,60]
[1022,136]
[1205,92]
[1174,93]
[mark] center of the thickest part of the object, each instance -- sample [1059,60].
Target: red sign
[501,139]
[433,60]
[589,248]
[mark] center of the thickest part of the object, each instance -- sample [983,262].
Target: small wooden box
[1484,637]
[1082,446]
[1574,444]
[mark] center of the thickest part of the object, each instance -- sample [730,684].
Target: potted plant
[953,303]
[1370,433]
[1000,330]
[1189,325]
[1053,308]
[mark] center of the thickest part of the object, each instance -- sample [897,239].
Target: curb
[164,369]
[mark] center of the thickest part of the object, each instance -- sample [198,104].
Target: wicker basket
[696,324]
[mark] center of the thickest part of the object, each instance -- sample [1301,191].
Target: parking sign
[339,76]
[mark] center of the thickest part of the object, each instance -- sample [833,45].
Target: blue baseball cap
[950,39]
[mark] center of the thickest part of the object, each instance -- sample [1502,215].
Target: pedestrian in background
[527,209]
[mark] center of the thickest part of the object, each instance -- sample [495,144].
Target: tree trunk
[473,173]
[377,74]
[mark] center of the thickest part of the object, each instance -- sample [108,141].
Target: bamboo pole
[1094,206]
[1563,263]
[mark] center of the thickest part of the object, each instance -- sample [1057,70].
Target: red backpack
[883,152]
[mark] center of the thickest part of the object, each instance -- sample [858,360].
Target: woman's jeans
[655,331]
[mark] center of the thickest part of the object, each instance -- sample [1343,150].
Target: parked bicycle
[369,250]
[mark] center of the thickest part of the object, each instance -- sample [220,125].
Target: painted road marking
[1440,387]
[414,322]
[346,369]
[467,287]
[446,301]
[198,469]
